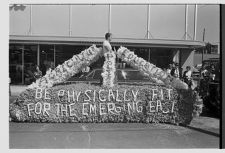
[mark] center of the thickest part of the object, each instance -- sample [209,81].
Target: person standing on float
[106,43]
[107,47]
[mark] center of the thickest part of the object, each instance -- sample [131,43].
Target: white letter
[64,109]
[94,94]
[60,94]
[46,107]
[169,93]
[165,112]
[153,94]
[162,97]
[129,107]
[102,109]
[70,110]
[38,93]
[70,96]
[139,108]
[110,109]
[83,109]
[93,108]
[118,111]
[29,109]
[99,93]
[58,109]
[46,93]
[158,104]
[151,106]
[89,99]
[124,95]
[135,95]
[110,94]
[40,108]
[77,95]
[117,96]
[172,106]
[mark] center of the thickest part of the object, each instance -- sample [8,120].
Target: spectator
[212,72]
[205,72]
[175,71]
[187,76]
[43,68]
[217,72]
[29,74]
[169,69]
[9,86]
[85,71]
[52,66]
[37,73]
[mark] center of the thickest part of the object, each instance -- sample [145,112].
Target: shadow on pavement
[203,131]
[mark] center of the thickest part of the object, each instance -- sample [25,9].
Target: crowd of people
[175,71]
[209,72]
[206,73]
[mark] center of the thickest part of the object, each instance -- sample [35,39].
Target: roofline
[168,43]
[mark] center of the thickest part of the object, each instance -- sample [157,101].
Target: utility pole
[70,20]
[148,30]
[109,19]
[195,21]
[148,34]
[186,35]
[186,21]
[203,39]
[30,30]
[148,22]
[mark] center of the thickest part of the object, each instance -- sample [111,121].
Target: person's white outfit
[168,71]
[106,46]
[86,69]
[176,73]
[188,74]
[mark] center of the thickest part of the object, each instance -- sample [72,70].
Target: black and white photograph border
[113,75]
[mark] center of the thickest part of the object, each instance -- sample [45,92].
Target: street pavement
[203,132]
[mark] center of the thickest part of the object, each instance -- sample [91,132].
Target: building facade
[47,35]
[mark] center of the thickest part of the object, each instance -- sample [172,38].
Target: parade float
[165,100]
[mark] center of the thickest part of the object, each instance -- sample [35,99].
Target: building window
[30,63]
[22,63]
[46,58]
[65,52]
[161,57]
[140,52]
[15,63]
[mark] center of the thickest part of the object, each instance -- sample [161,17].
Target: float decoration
[69,68]
[109,69]
[88,103]
[150,69]
[161,102]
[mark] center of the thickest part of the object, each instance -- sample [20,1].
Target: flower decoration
[149,69]
[69,68]
[139,110]
[109,69]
